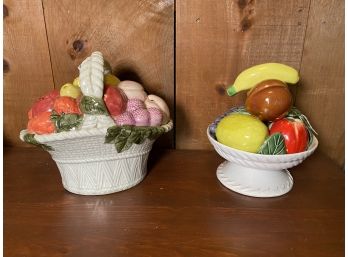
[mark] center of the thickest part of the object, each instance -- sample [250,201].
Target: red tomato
[43,104]
[294,132]
[115,100]
[41,124]
[66,104]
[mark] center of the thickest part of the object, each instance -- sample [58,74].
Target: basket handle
[92,75]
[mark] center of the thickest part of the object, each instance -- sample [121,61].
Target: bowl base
[254,182]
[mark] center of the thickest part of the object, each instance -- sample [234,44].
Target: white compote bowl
[254,174]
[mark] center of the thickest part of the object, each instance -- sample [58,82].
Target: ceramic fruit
[115,100]
[66,104]
[135,104]
[141,117]
[133,89]
[242,131]
[69,89]
[250,77]
[111,80]
[125,118]
[155,116]
[294,132]
[153,101]
[41,124]
[76,82]
[43,104]
[269,100]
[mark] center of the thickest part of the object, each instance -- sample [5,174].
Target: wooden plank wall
[45,41]
[215,40]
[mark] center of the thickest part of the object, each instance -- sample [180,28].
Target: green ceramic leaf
[30,138]
[66,122]
[296,113]
[125,136]
[111,134]
[273,145]
[92,105]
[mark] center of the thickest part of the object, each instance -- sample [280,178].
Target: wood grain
[180,209]
[136,37]
[321,93]
[217,40]
[27,68]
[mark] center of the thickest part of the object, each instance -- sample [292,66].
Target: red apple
[115,100]
[294,132]
[43,104]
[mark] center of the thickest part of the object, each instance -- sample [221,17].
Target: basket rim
[74,134]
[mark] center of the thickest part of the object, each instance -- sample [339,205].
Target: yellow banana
[111,80]
[252,76]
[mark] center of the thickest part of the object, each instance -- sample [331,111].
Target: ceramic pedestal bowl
[257,175]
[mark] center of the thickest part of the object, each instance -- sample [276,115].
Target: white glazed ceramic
[88,166]
[256,174]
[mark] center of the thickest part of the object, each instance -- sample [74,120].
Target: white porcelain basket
[88,166]
[257,175]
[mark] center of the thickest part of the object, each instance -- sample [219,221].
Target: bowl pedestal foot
[253,181]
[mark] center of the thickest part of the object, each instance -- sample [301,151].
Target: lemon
[241,131]
[69,89]
[76,82]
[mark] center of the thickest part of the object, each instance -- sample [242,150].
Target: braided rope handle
[92,75]
[92,85]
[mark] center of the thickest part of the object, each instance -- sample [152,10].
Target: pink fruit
[125,118]
[135,104]
[43,104]
[155,116]
[141,117]
[115,100]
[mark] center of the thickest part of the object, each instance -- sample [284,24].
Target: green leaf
[93,105]
[273,145]
[111,134]
[122,137]
[125,136]
[296,113]
[156,132]
[66,122]
[30,138]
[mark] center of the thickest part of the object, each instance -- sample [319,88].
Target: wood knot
[78,45]
[5,11]
[244,3]
[220,89]
[6,66]
[77,48]
[247,12]
[245,24]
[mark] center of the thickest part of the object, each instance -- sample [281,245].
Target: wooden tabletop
[180,209]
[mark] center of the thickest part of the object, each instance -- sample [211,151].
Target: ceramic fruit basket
[263,139]
[102,146]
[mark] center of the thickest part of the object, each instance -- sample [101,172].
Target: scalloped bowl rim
[254,156]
